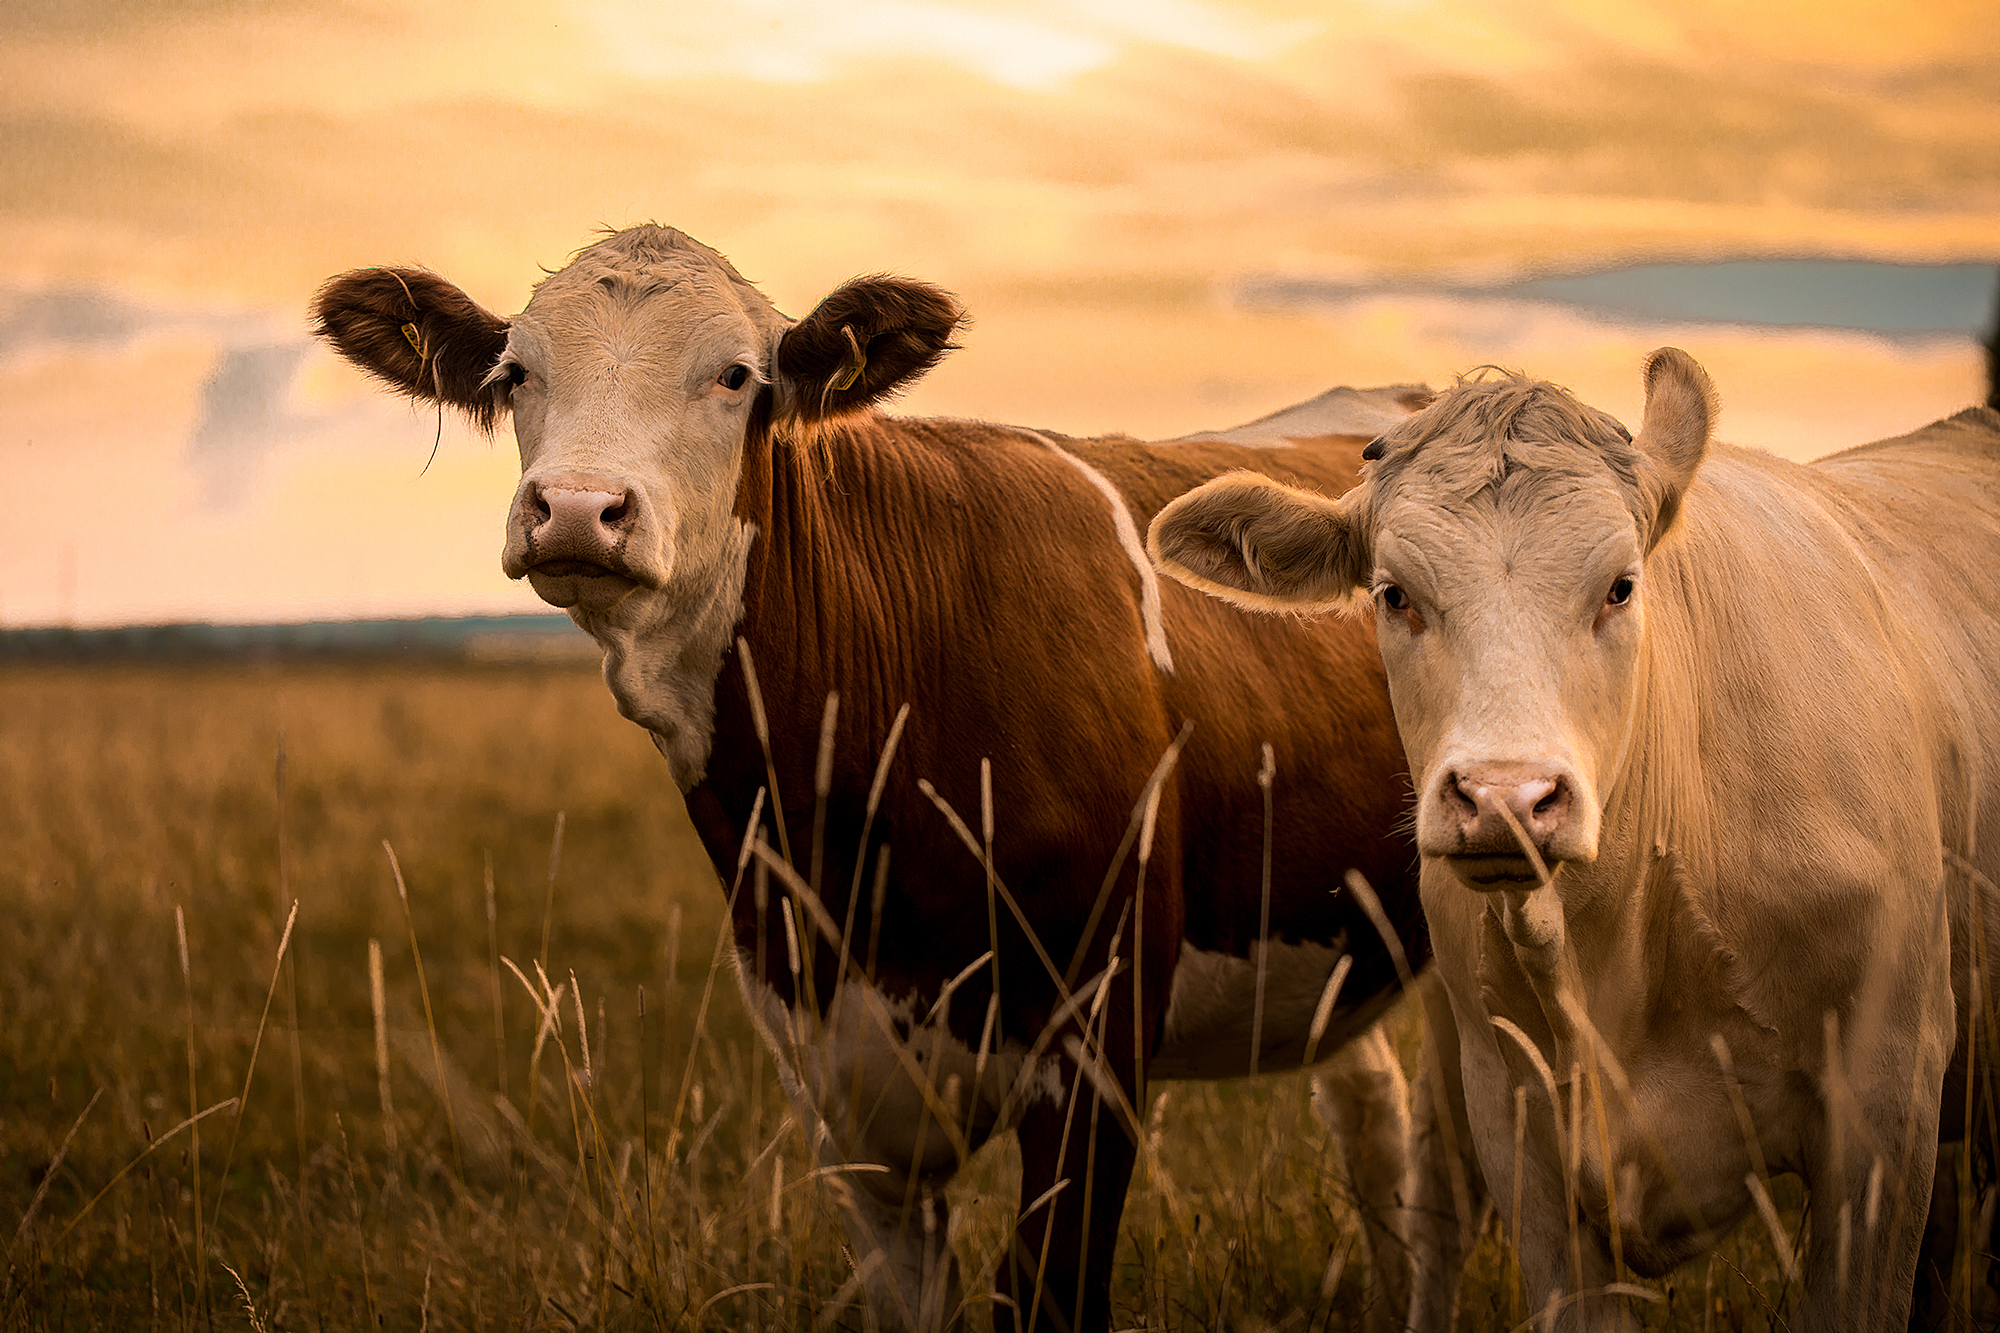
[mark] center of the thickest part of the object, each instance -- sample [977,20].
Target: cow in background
[1705,746]
[1040,827]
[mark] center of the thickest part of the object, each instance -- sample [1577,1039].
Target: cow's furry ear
[868,339]
[1673,438]
[418,334]
[1263,545]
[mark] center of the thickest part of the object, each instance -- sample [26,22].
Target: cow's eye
[517,374]
[1395,598]
[1621,591]
[735,377]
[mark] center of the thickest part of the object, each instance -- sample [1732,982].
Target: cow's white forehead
[649,256]
[1501,451]
[654,275]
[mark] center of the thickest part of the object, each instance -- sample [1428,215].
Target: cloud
[78,317]
[1036,46]
[1898,301]
[246,414]
[246,405]
[69,317]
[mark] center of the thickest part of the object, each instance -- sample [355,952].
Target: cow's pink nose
[1539,801]
[575,520]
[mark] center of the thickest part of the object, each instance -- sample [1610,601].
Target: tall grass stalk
[194,1129]
[549,898]
[430,1018]
[378,1002]
[49,1175]
[250,1070]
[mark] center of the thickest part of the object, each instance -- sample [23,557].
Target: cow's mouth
[584,569]
[1491,873]
[568,583]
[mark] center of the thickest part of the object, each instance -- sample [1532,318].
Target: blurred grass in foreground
[127,793]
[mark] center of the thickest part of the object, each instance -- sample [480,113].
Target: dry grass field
[457,1114]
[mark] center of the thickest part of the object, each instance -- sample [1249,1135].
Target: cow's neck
[854,539]
[662,653]
[785,578]
[817,590]
[1610,936]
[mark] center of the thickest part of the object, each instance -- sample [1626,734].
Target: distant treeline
[456,639]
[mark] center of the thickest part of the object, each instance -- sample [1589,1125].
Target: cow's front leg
[1861,1262]
[897,1222]
[1565,1263]
[1869,1170]
[1077,1153]
[1869,1159]
[1447,1190]
[894,1102]
[1361,1097]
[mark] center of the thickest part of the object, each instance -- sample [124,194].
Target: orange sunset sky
[1106,183]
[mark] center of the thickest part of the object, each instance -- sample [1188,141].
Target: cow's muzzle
[1507,826]
[569,535]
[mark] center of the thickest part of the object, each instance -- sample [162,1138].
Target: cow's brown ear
[868,339]
[1263,545]
[1673,438]
[418,334]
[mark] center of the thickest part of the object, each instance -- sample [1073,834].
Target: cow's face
[1502,537]
[637,376]
[631,381]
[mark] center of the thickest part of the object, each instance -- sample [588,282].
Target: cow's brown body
[961,568]
[990,579]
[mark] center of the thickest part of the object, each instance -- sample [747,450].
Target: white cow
[1705,745]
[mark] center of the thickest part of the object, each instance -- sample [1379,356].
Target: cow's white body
[1706,767]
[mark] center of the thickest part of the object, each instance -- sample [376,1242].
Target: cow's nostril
[542,511]
[616,513]
[1548,803]
[1459,799]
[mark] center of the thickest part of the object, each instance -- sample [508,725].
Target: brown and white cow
[708,489]
[1707,755]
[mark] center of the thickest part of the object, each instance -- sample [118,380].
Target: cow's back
[1828,709]
[1926,507]
[1313,689]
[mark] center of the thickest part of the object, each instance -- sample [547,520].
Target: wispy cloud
[247,412]
[1902,301]
[74,317]
[247,403]
[1034,46]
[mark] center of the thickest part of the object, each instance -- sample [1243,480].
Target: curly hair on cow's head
[1491,425]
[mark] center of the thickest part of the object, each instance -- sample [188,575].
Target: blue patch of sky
[1882,298]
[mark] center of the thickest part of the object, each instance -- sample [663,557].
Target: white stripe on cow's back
[1135,550]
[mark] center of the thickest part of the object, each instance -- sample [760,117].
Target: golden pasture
[480,1157]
